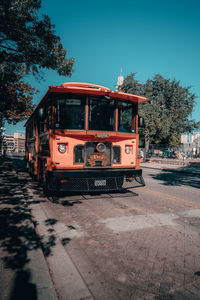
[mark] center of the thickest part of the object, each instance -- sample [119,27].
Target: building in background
[9,142]
[120,81]
[19,142]
[14,143]
[191,143]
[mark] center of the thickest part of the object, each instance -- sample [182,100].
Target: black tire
[46,190]
[120,181]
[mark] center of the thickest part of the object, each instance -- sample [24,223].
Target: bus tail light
[63,180]
[62,147]
[129,179]
[129,149]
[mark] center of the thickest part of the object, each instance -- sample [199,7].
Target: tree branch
[8,48]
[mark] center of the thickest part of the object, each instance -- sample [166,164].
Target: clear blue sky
[144,36]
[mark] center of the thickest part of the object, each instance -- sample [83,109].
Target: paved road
[139,244]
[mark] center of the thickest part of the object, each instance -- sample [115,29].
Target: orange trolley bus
[84,137]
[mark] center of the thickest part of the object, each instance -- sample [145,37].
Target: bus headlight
[62,148]
[128,149]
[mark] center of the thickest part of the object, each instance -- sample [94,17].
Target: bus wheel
[43,182]
[46,190]
[120,182]
[28,166]
[31,172]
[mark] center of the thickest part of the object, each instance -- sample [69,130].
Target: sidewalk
[27,222]
[23,270]
[178,166]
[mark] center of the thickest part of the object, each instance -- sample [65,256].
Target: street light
[2,129]
[2,132]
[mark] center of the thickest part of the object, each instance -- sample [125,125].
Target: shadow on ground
[172,178]
[23,288]
[17,233]
[73,198]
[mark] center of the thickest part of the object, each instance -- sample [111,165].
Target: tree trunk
[146,146]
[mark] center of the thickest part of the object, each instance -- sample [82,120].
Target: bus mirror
[141,123]
[41,114]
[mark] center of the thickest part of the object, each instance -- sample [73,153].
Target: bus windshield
[126,113]
[70,113]
[101,114]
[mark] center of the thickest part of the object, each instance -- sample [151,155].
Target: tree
[16,96]
[28,44]
[168,112]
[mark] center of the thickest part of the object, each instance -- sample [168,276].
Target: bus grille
[91,149]
[100,184]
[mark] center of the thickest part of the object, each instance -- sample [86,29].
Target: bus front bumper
[94,180]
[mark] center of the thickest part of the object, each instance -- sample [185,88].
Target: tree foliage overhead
[28,43]
[168,112]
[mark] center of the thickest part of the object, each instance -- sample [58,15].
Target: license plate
[99,182]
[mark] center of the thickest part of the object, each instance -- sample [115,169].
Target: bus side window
[34,127]
[49,117]
[45,123]
[31,129]
[41,126]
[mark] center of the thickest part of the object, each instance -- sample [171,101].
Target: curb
[31,277]
[172,170]
[68,282]
[39,270]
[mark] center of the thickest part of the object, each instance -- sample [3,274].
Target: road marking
[193,213]
[131,223]
[171,198]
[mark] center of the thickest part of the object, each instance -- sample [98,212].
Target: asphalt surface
[181,168]
[138,244]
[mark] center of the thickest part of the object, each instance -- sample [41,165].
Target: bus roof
[89,89]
